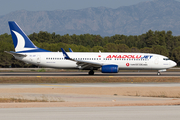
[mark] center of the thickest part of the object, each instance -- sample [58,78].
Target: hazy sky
[7,6]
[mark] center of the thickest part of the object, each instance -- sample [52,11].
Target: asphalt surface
[92,113]
[77,85]
[85,74]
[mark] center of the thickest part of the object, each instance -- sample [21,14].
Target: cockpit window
[166,59]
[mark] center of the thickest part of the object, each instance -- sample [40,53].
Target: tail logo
[21,43]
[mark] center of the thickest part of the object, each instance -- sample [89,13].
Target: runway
[93,113]
[89,85]
[97,74]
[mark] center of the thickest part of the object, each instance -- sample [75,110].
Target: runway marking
[38,76]
[57,85]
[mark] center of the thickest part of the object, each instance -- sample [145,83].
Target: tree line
[159,42]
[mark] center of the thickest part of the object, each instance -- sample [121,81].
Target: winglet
[70,50]
[65,54]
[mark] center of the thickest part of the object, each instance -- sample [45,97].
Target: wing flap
[87,64]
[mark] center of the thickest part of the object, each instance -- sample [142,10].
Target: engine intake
[109,69]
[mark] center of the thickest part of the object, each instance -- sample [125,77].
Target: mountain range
[128,20]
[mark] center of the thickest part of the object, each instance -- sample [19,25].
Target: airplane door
[38,59]
[156,60]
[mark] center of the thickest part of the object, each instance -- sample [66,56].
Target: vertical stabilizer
[21,41]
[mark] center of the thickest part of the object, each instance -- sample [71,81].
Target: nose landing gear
[159,71]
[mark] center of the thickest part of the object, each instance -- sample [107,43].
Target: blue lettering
[147,57]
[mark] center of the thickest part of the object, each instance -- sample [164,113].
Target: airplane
[106,62]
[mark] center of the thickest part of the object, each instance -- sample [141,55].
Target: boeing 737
[106,62]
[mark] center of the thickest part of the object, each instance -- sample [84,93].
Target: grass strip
[88,79]
[19,100]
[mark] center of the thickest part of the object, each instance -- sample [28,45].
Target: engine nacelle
[109,69]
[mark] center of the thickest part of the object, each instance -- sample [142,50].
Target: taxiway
[93,113]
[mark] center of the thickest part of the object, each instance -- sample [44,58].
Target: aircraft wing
[15,54]
[86,64]
[82,64]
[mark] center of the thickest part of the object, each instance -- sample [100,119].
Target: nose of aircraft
[173,63]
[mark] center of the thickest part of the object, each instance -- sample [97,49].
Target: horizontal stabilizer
[15,54]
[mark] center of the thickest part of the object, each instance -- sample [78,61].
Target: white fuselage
[136,61]
[27,52]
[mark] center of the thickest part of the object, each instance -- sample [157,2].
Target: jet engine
[109,69]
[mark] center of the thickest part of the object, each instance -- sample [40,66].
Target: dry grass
[161,94]
[169,92]
[88,79]
[12,100]
[23,100]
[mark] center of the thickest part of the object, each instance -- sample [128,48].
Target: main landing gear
[158,73]
[91,72]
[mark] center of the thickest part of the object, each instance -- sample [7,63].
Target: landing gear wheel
[91,72]
[158,73]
